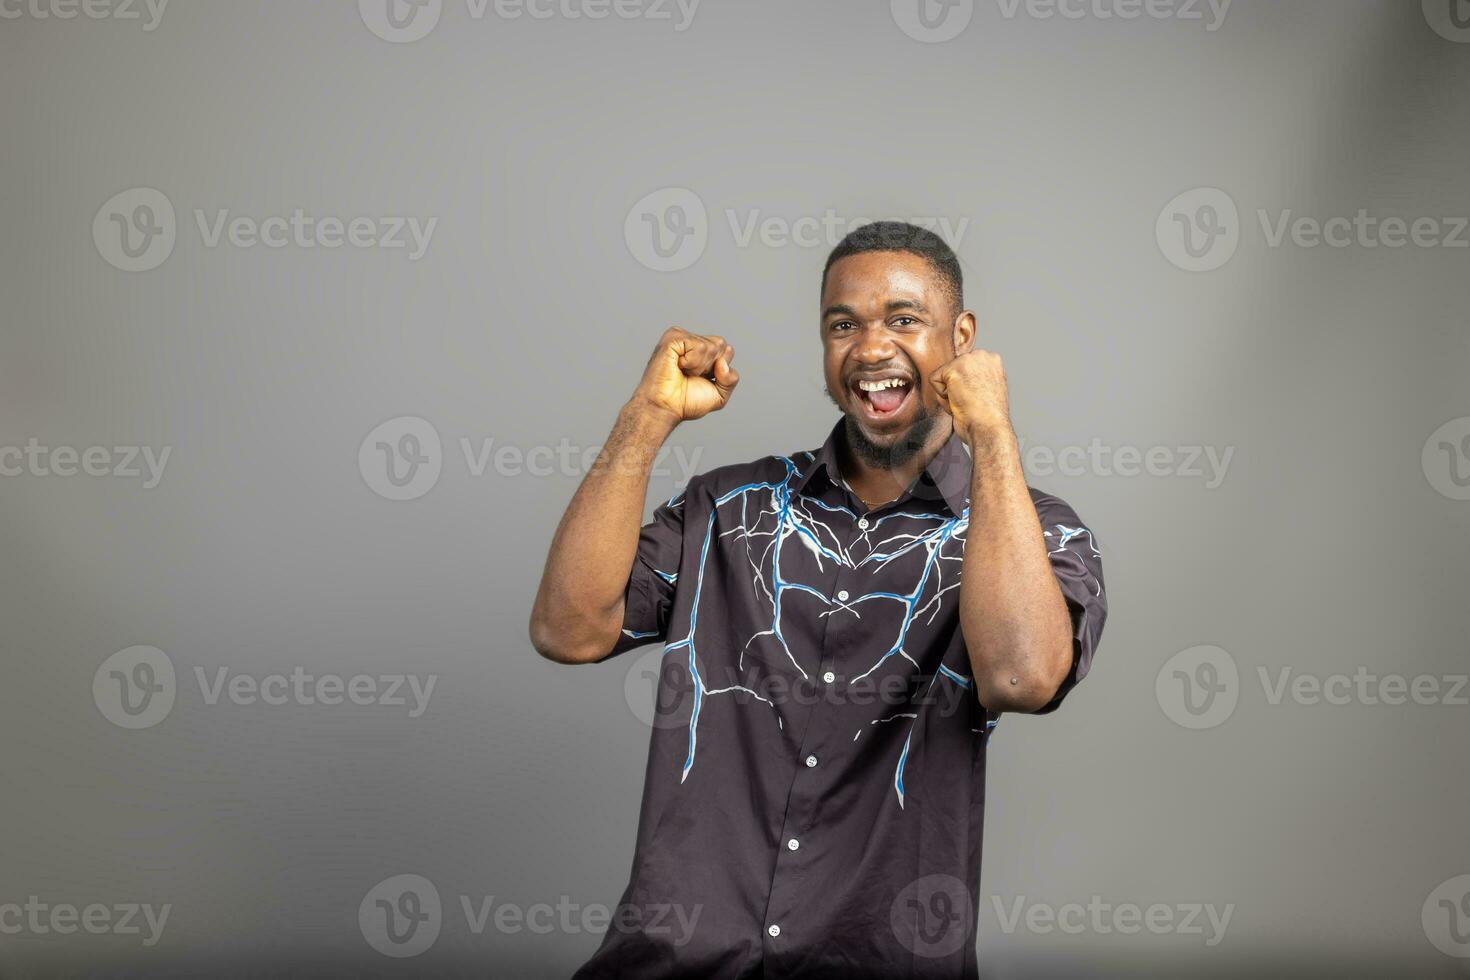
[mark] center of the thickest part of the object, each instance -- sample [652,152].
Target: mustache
[890,368]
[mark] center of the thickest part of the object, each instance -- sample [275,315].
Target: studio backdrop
[313,316]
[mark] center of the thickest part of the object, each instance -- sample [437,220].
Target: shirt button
[773,931]
[842,595]
[829,677]
[863,523]
[792,844]
[811,762]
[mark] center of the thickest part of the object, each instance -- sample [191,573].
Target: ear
[964,332]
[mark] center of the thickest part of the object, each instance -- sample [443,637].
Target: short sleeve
[1077,563]
[649,597]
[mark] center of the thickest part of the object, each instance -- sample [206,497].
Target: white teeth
[880,385]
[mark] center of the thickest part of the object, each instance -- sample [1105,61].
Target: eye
[903,321]
[841,324]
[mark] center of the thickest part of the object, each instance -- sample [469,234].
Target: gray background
[1326,548]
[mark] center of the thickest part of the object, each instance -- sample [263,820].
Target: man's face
[887,324]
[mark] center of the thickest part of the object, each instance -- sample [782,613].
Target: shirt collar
[947,475]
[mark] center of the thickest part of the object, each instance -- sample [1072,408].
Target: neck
[879,474]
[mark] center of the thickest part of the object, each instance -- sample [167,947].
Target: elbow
[1021,698]
[1016,691]
[558,646]
[1021,680]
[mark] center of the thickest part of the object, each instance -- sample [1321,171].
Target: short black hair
[900,236]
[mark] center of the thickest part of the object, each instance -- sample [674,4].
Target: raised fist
[689,375]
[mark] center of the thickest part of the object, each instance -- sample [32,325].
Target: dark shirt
[815,791]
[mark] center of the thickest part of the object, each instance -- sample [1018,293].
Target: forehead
[869,281]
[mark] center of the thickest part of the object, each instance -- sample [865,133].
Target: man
[842,628]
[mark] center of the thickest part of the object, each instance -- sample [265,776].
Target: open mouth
[881,398]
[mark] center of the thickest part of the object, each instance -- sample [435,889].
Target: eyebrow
[893,305]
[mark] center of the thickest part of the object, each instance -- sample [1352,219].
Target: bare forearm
[579,606]
[1012,612]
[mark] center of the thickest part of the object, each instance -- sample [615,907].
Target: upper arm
[648,598]
[1076,561]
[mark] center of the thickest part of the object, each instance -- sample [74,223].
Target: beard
[904,448]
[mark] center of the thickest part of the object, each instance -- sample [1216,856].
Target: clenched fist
[972,389]
[689,375]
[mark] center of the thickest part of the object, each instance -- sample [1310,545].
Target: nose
[875,347]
